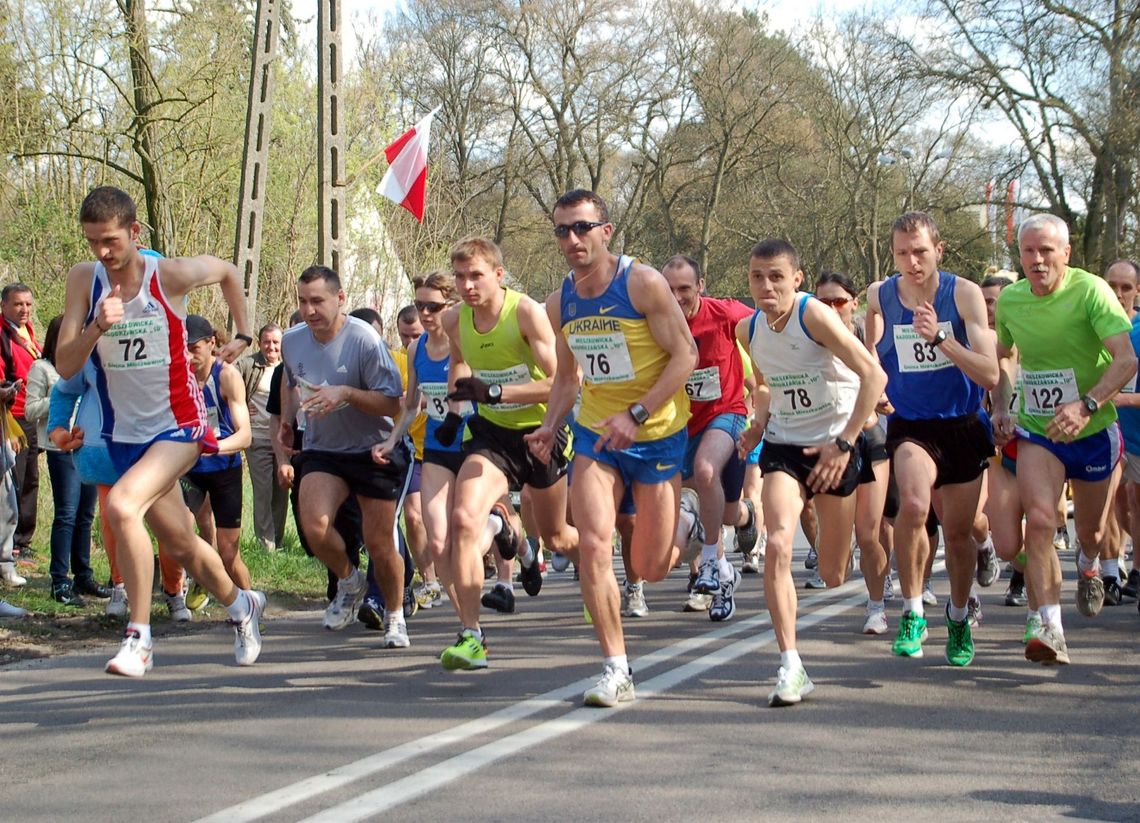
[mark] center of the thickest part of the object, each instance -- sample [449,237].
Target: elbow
[991,378]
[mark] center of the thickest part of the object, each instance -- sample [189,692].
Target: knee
[315,524]
[704,474]
[466,523]
[778,551]
[1040,519]
[913,508]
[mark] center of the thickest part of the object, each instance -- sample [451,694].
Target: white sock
[1085,564]
[914,604]
[1110,568]
[397,615]
[143,629]
[875,605]
[790,660]
[1032,613]
[726,570]
[618,662]
[727,538]
[958,614]
[239,610]
[494,526]
[527,557]
[475,632]
[709,552]
[1051,616]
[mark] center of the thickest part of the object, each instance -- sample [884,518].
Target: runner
[1121,275]
[126,313]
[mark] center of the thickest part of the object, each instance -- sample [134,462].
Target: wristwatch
[639,413]
[843,445]
[939,338]
[494,393]
[1090,404]
[245,338]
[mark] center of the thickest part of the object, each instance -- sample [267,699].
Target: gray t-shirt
[356,357]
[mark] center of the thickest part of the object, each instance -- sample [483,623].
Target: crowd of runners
[630,408]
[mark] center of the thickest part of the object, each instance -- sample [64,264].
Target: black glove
[471,388]
[447,430]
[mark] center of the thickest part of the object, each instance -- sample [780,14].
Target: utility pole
[330,140]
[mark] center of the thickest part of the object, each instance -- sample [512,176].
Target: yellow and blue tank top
[619,358]
[502,355]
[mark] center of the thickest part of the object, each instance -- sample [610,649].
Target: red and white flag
[405,182]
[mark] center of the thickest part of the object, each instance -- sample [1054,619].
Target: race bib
[1044,391]
[797,397]
[917,355]
[435,395]
[704,384]
[516,374]
[212,420]
[604,358]
[1015,398]
[137,344]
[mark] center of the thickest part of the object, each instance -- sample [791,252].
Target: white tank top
[812,391]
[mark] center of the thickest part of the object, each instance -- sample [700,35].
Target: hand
[749,439]
[285,475]
[447,430]
[324,400]
[65,440]
[381,451]
[285,438]
[232,350]
[1068,422]
[9,389]
[884,406]
[471,388]
[618,432]
[541,443]
[110,310]
[926,322]
[1003,427]
[828,470]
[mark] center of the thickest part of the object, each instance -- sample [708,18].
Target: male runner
[1124,277]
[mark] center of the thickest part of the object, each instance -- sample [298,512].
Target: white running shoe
[928,596]
[633,602]
[178,611]
[613,687]
[791,687]
[134,659]
[7,610]
[815,582]
[117,605]
[10,577]
[396,633]
[349,595]
[888,589]
[247,633]
[876,622]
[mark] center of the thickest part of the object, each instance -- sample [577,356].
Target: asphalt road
[333,727]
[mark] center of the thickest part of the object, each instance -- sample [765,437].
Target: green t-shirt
[1059,339]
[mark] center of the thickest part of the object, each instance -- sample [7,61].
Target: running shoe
[411,605]
[371,614]
[1132,587]
[507,540]
[500,598]
[1061,539]
[396,633]
[959,641]
[812,559]
[422,594]
[1112,591]
[1090,593]
[723,605]
[10,577]
[196,596]
[815,582]
[559,562]
[176,603]
[117,605]
[751,564]
[349,595]
[746,536]
[973,611]
[988,569]
[791,687]
[928,595]
[468,653]
[436,592]
[1015,593]
[1032,624]
[613,687]
[888,589]
[1047,646]
[8,611]
[633,601]
[876,622]
[134,659]
[696,539]
[531,578]
[912,632]
[708,578]
[247,632]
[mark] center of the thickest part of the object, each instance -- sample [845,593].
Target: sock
[974,591]
[914,604]
[354,581]
[726,570]
[494,526]
[875,605]
[987,544]
[727,539]
[958,614]
[709,552]
[532,542]
[397,615]
[1051,615]
[1085,564]
[1017,578]
[239,610]
[143,629]
[475,632]
[1032,613]
[790,660]
[618,662]
[527,556]
[509,585]
[632,587]
[1110,568]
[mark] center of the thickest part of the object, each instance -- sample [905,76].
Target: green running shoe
[196,596]
[791,687]
[1032,625]
[959,641]
[912,631]
[468,653]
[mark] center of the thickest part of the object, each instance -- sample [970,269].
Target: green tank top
[502,356]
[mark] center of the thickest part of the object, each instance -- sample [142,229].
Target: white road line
[303,790]
[409,788]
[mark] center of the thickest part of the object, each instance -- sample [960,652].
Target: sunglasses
[579,228]
[429,306]
[835,302]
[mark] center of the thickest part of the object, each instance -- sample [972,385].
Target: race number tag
[604,358]
[138,344]
[436,396]
[212,420]
[704,384]
[1015,398]
[801,396]
[915,354]
[515,375]
[1044,391]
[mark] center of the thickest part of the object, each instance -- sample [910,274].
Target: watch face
[495,391]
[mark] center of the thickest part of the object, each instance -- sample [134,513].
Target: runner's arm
[567,380]
[1119,372]
[76,341]
[181,275]
[650,295]
[536,328]
[978,362]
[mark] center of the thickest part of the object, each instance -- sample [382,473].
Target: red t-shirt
[716,386]
[24,353]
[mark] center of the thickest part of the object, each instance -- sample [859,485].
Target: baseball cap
[197,328]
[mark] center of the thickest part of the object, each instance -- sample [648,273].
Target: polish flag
[405,182]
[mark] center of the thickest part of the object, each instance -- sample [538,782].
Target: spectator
[269,498]
[18,350]
[8,513]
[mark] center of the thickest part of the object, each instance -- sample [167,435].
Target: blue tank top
[220,420]
[922,382]
[431,376]
[1130,417]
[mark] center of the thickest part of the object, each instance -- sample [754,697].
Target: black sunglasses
[579,228]
[430,306]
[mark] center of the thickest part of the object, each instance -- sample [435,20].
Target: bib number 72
[134,348]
